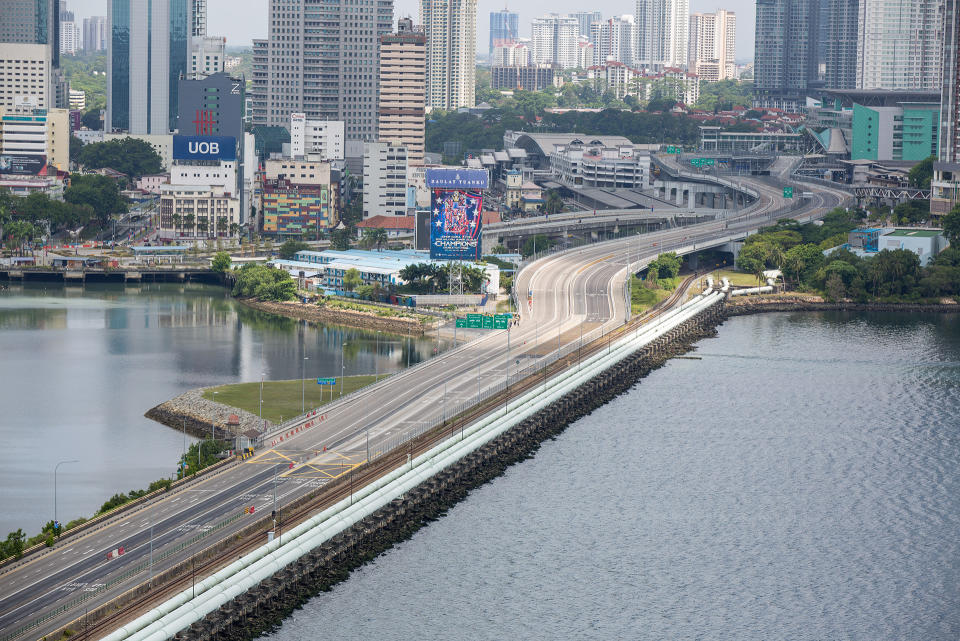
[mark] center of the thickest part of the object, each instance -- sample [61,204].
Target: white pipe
[752,290]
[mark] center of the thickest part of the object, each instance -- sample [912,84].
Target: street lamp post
[262,374]
[213,421]
[55,468]
[376,360]
[343,367]
[303,367]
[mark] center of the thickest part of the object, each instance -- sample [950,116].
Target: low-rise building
[34,141]
[151,183]
[621,167]
[513,180]
[395,226]
[925,243]
[531,197]
[197,211]
[323,139]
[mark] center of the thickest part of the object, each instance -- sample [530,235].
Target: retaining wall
[273,599]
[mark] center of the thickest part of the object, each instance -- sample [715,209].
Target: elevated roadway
[560,296]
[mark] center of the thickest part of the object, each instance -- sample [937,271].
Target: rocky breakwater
[799,302]
[406,325]
[194,413]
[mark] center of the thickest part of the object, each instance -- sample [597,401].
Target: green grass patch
[282,398]
[643,298]
[384,312]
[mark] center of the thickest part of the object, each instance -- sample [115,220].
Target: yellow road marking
[599,260]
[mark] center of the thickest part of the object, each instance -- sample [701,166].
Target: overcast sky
[243,20]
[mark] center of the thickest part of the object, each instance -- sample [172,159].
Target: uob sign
[204,148]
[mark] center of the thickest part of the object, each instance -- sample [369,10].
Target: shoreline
[813,303]
[194,414]
[359,320]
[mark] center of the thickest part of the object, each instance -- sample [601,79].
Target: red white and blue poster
[455,224]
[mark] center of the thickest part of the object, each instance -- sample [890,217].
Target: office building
[899,44]
[35,23]
[197,211]
[945,184]
[206,56]
[841,44]
[403,90]
[198,18]
[321,59]
[584,21]
[148,54]
[323,139]
[713,45]
[504,27]
[598,166]
[526,77]
[384,179]
[450,27]
[95,33]
[35,139]
[785,56]
[299,196]
[614,41]
[25,76]
[554,41]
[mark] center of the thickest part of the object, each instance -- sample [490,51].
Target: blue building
[148,54]
[504,27]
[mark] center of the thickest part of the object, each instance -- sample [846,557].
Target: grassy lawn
[738,279]
[642,299]
[282,398]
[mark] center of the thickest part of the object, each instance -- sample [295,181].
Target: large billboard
[204,148]
[457,178]
[22,165]
[456,220]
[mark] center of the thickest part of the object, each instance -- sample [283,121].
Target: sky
[240,21]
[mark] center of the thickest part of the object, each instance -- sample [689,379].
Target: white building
[197,211]
[207,56]
[616,77]
[663,30]
[713,45]
[450,27]
[687,85]
[384,179]
[222,175]
[585,53]
[323,138]
[88,136]
[42,133]
[25,76]
[554,40]
[614,41]
[78,99]
[621,167]
[900,44]
[71,38]
[511,54]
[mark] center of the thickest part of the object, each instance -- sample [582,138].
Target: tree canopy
[130,156]
[264,282]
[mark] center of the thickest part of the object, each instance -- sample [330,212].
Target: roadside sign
[709,162]
[696,162]
[326,381]
[475,321]
[788,192]
[461,322]
[501,321]
[488,322]
[673,149]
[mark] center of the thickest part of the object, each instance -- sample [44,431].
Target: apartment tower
[713,45]
[403,91]
[450,27]
[899,44]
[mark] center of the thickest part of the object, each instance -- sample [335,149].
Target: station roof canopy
[544,144]
[160,249]
[881,97]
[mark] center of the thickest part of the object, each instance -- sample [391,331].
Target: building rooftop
[916,233]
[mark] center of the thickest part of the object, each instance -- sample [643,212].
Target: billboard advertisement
[457,178]
[455,224]
[204,148]
[22,165]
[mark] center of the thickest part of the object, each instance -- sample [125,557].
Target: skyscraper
[403,91]
[614,41]
[504,27]
[713,44]
[34,22]
[322,61]
[662,32]
[95,33]
[945,185]
[841,44]
[554,40]
[899,44]
[585,19]
[148,54]
[785,56]
[451,30]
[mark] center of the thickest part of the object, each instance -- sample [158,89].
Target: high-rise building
[34,22]
[316,138]
[945,185]
[450,27]
[899,44]
[614,41]
[206,56]
[149,53]
[24,76]
[322,60]
[585,19]
[663,28]
[513,54]
[785,56]
[713,45]
[71,38]
[841,44]
[504,27]
[43,134]
[384,179]
[403,89]
[198,18]
[95,33]
[554,41]
[528,77]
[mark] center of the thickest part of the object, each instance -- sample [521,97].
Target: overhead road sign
[788,192]
[475,321]
[326,381]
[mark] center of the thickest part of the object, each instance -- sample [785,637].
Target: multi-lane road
[560,296]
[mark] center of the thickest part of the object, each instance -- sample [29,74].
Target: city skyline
[240,27]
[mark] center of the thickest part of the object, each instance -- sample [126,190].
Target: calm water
[802,481]
[80,366]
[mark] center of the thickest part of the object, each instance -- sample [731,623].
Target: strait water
[801,481]
[80,366]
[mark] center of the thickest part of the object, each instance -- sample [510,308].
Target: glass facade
[119,94]
[504,27]
[180,28]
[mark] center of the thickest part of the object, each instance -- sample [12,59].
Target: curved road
[561,296]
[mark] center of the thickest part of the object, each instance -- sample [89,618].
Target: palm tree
[234,228]
[380,237]
[554,202]
[188,221]
[203,225]
[177,220]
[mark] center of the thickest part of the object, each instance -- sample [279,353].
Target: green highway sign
[702,162]
[501,321]
[709,162]
[673,149]
[475,321]
[326,381]
[788,192]
[461,322]
[488,322]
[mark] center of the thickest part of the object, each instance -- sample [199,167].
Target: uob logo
[205,148]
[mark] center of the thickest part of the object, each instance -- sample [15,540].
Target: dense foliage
[290,248]
[428,278]
[130,156]
[221,262]
[87,73]
[89,200]
[724,95]
[264,282]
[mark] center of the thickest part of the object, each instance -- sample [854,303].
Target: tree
[536,244]
[379,237]
[76,146]
[290,248]
[221,262]
[921,173]
[264,282]
[130,156]
[554,203]
[340,239]
[801,262]
[352,279]
[951,226]
[101,193]
[188,220]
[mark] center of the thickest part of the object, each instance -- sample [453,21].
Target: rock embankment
[364,320]
[795,302]
[193,412]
